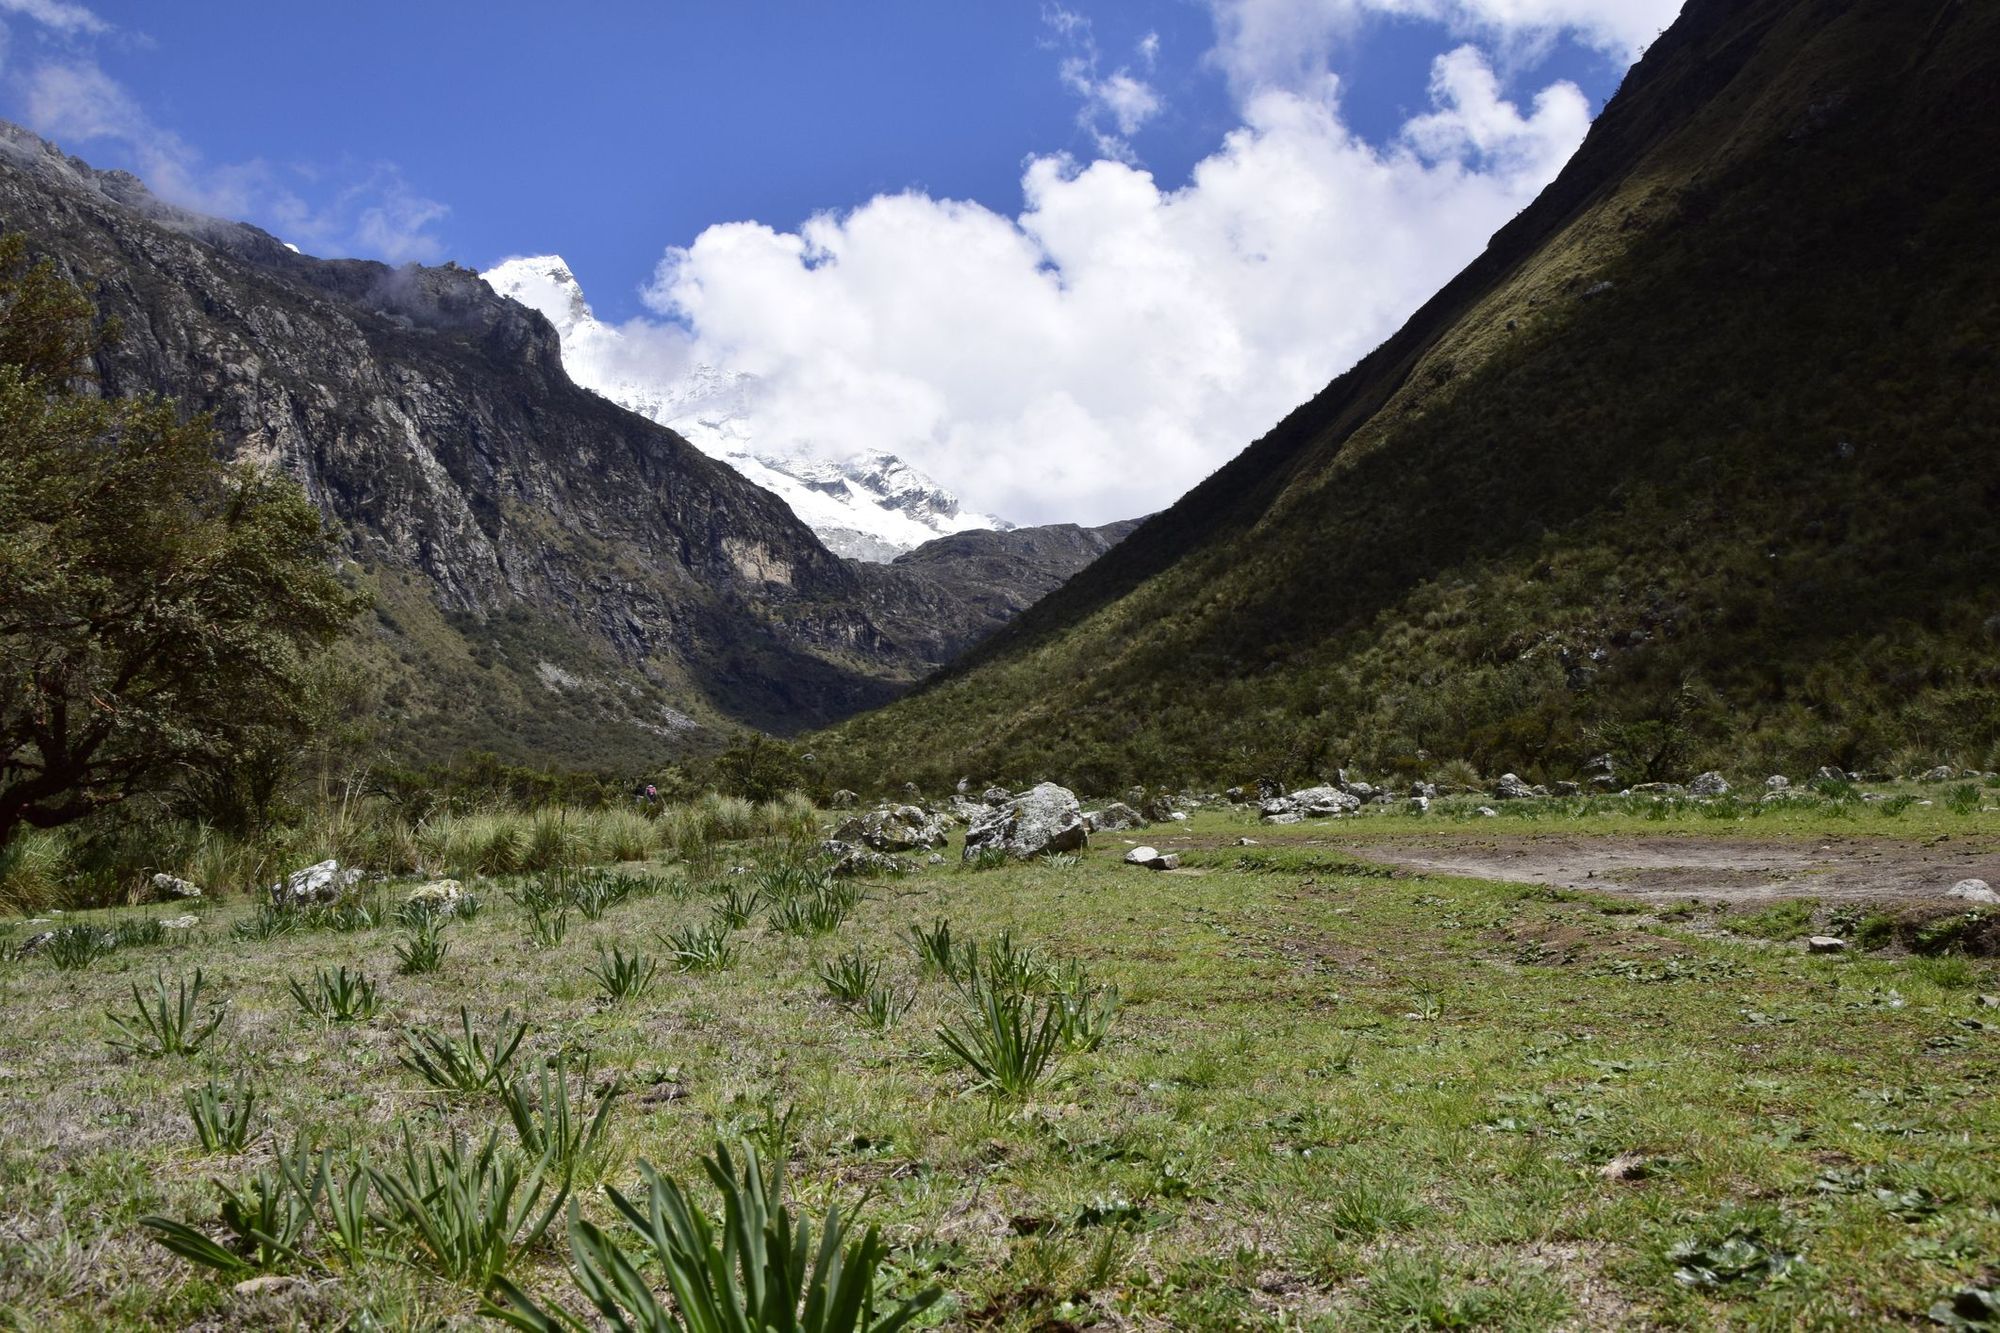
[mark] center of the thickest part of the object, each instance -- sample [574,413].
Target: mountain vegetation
[1694,466]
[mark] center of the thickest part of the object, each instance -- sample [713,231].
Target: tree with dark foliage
[160,609]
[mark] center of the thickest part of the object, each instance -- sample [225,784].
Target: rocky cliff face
[557,577]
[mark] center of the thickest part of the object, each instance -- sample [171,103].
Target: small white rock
[1974,891]
[1487,812]
[1826,944]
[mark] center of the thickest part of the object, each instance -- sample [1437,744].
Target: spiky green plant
[337,996]
[267,1220]
[547,1119]
[621,976]
[703,948]
[882,1006]
[759,1270]
[933,947]
[422,948]
[468,1210]
[74,947]
[138,932]
[850,977]
[1011,1042]
[735,908]
[221,1115]
[1086,1015]
[349,1222]
[470,1063]
[819,912]
[548,923]
[159,1026]
[268,922]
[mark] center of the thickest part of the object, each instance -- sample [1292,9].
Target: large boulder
[1043,819]
[996,796]
[1974,891]
[1512,788]
[326,882]
[1119,815]
[1710,783]
[1325,802]
[896,828]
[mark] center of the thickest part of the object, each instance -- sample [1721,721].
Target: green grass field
[1330,1097]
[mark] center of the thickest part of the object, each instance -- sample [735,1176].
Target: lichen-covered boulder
[1324,802]
[440,897]
[846,859]
[1119,815]
[326,882]
[1044,819]
[896,828]
[173,886]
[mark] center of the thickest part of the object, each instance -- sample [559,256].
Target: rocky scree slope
[558,579]
[1694,465]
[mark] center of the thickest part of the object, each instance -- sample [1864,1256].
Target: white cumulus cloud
[1095,355]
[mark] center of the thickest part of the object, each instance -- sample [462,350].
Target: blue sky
[1110,241]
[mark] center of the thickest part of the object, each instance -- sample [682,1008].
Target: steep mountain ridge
[872,506]
[1709,417]
[557,578]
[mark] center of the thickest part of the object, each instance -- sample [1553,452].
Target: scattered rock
[1597,289]
[848,860]
[1248,842]
[1826,944]
[843,800]
[1777,782]
[1159,809]
[1178,814]
[1942,773]
[1974,891]
[1324,802]
[1427,790]
[912,792]
[1234,795]
[1152,858]
[1488,812]
[33,943]
[1268,790]
[934,859]
[1710,783]
[896,828]
[173,886]
[1420,804]
[1511,788]
[996,796]
[1829,774]
[441,896]
[1567,788]
[269,1284]
[1119,815]
[325,882]
[1626,1166]
[1044,819]
[188,922]
[964,786]
[1284,817]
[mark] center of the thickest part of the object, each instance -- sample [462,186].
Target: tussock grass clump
[158,1026]
[471,1062]
[757,1267]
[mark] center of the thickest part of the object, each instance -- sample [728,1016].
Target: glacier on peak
[871,506]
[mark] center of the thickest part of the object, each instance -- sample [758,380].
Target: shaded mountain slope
[557,579]
[1695,464]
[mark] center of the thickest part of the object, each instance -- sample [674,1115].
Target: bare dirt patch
[1730,870]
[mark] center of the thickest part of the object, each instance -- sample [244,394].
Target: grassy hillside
[1695,465]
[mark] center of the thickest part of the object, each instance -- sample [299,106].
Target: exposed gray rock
[1427,790]
[843,800]
[1234,795]
[1119,815]
[1567,788]
[1827,773]
[1152,858]
[1488,812]
[896,828]
[1267,789]
[1278,809]
[34,943]
[1826,944]
[1973,891]
[1942,773]
[1284,817]
[1323,802]
[1044,819]
[1710,783]
[440,897]
[1510,787]
[1420,804]
[167,887]
[846,860]
[325,882]
[188,922]
[1777,782]
[996,796]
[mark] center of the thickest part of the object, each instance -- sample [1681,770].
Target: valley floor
[1335,1095]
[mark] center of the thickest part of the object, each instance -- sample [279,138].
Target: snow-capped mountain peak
[872,506]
